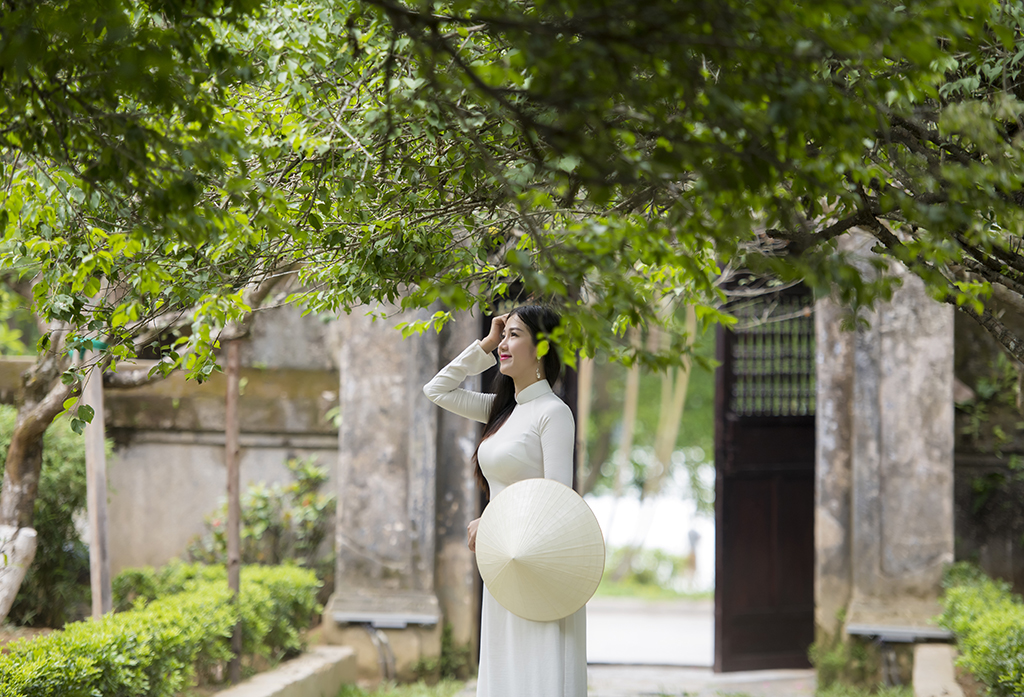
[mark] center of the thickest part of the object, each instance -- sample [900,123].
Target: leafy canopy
[765,131]
[619,160]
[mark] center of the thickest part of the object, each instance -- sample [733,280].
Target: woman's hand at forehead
[493,338]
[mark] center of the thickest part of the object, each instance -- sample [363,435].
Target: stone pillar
[833,421]
[386,491]
[885,461]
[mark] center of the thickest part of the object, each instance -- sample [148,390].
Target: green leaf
[85,413]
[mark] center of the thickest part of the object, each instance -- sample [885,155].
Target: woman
[528,432]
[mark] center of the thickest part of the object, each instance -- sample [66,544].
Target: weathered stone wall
[885,461]
[272,401]
[163,485]
[282,338]
[11,369]
[168,472]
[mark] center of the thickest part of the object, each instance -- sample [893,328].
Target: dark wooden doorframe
[764,489]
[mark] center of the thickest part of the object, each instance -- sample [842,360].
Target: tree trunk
[21,473]
[597,452]
[623,456]
[41,399]
[674,385]
[17,550]
[584,389]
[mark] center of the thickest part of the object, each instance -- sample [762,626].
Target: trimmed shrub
[145,584]
[988,621]
[159,647]
[278,601]
[149,651]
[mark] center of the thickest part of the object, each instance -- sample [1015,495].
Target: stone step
[933,671]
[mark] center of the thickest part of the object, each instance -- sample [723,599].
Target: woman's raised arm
[444,391]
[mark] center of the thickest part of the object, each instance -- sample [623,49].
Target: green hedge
[988,621]
[157,648]
[145,584]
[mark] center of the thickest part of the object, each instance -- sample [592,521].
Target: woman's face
[517,354]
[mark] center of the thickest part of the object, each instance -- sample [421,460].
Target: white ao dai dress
[518,657]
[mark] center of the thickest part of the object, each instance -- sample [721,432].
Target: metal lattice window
[773,359]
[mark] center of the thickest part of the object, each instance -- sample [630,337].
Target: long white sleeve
[557,438]
[444,391]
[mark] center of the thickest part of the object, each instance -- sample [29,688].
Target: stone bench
[318,673]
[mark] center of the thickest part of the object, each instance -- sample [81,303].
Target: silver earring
[538,370]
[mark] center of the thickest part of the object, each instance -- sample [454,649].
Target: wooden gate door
[764,505]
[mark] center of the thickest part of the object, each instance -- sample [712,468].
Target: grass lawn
[843,691]
[445,688]
[628,588]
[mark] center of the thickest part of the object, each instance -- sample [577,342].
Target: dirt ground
[9,634]
[970,686]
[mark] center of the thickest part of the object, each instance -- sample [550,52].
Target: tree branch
[255,296]
[1006,338]
[993,275]
[800,241]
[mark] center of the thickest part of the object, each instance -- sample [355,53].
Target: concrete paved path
[655,681]
[637,632]
[661,681]
[640,648]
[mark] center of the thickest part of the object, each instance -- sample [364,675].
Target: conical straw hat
[540,550]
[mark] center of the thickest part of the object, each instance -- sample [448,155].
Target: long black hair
[540,320]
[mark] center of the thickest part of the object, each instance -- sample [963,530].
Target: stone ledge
[395,609]
[307,441]
[319,673]
[933,671]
